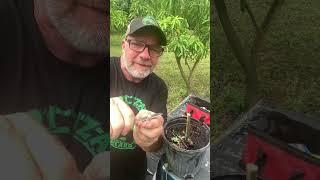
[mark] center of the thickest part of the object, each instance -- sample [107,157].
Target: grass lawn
[168,70]
[115,44]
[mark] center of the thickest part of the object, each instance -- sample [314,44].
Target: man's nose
[145,53]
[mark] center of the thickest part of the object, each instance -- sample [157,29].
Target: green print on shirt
[82,127]
[123,142]
[134,101]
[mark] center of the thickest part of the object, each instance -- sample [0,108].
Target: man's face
[83,23]
[140,62]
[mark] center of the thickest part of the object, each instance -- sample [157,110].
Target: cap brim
[156,30]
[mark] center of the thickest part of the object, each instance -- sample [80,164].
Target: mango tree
[187,47]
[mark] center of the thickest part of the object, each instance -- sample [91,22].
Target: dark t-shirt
[69,100]
[128,160]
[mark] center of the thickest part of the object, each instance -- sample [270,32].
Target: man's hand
[29,152]
[147,134]
[121,118]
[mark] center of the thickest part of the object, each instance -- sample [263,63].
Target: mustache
[146,63]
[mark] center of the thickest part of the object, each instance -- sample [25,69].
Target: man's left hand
[147,134]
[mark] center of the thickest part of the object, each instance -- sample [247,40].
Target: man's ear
[123,44]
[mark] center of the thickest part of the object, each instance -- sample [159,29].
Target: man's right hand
[121,118]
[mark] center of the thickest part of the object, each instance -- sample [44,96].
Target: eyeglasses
[138,46]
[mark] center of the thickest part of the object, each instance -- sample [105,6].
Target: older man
[136,92]
[52,66]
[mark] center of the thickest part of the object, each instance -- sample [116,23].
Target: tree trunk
[242,56]
[183,75]
[191,73]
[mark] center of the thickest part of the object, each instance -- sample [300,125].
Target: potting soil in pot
[176,135]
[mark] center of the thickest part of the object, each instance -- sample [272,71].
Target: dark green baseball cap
[146,24]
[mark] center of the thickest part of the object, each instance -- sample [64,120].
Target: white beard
[81,37]
[134,72]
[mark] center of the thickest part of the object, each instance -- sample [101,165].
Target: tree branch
[276,5]
[253,20]
[192,70]
[184,77]
[186,63]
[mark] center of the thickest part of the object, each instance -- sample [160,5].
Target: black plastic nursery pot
[186,162]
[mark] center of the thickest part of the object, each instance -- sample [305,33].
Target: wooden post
[252,171]
[188,125]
